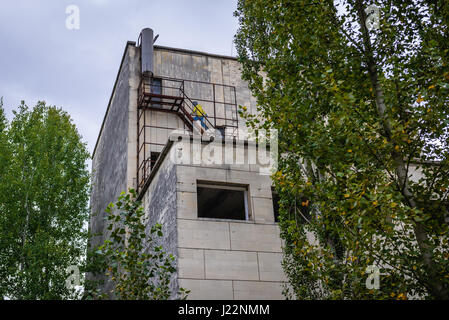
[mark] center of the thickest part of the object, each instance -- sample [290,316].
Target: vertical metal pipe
[215,110]
[145,145]
[146,48]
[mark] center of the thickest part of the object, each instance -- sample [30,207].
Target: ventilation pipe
[146,50]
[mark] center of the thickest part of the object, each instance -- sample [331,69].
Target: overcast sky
[75,69]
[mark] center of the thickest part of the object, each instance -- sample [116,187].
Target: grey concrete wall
[224,258]
[133,81]
[208,68]
[110,160]
[160,207]
[215,258]
[179,64]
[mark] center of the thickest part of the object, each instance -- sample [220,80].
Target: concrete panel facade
[257,290]
[232,264]
[215,258]
[203,234]
[246,253]
[111,159]
[160,207]
[208,289]
[219,257]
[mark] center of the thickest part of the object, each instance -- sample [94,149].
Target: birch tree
[43,201]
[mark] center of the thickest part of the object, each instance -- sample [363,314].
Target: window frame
[227,186]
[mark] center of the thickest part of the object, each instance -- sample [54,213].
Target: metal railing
[177,96]
[159,93]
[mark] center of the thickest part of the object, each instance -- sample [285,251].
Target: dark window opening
[276,199]
[222,202]
[153,159]
[156,88]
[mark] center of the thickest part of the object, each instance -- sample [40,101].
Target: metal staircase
[170,95]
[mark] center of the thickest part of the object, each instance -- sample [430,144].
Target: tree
[4,149]
[356,107]
[4,160]
[3,121]
[132,256]
[44,185]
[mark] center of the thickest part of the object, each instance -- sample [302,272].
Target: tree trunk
[434,285]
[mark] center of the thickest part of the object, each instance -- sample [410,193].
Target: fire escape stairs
[182,105]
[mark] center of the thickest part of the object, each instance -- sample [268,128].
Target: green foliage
[44,185]
[4,145]
[356,110]
[3,121]
[132,256]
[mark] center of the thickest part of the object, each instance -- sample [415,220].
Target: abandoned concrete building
[218,217]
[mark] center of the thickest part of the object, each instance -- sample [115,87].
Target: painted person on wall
[199,114]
